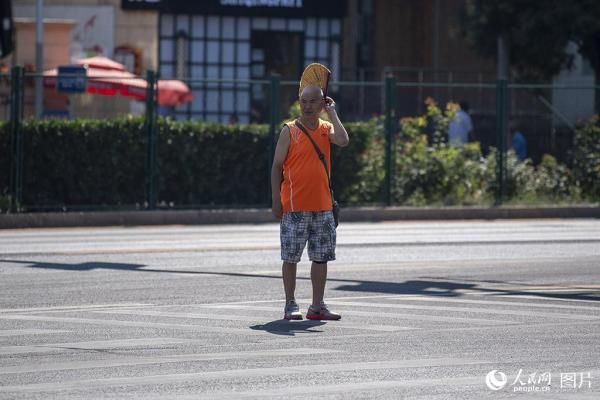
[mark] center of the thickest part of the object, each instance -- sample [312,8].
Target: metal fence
[493,106]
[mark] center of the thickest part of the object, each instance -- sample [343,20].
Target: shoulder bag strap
[319,153]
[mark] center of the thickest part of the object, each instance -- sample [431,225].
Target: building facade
[212,43]
[101,27]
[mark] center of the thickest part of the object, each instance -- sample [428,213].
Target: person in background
[460,129]
[233,119]
[518,142]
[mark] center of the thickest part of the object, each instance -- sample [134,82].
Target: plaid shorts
[316,228]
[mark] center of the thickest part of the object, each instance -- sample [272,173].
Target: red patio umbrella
[109,78]
[172,92]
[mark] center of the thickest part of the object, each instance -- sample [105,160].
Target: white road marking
[530,305]
[132,361]
[91,345]
[72,308]
[436,318]
[21,332]
[88,384]
[463,383]
[524,313]
[556,299]
[141,324]
[244,318]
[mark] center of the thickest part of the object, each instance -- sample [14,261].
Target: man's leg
[293,239]
[321,249]
[291,310]
[318,276]
[288,271]
[318,309]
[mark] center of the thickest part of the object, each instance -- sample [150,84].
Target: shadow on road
[428,286]
[93,265]
[87,266]
[478,285]
[289,328]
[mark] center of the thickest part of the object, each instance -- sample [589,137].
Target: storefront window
[200,48]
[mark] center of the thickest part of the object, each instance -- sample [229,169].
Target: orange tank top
[305,186]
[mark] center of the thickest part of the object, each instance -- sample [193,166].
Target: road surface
[431,310]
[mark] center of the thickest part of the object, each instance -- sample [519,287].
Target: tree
[537,33]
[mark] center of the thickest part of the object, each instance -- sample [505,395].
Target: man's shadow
[289,328]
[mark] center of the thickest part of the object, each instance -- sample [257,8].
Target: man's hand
[330,107]
[338,136]
[277,210]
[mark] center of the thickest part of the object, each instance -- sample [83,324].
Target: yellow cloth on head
[315,75]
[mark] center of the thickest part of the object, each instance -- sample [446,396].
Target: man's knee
[320,262]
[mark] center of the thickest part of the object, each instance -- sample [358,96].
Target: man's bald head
[311,101]
[311,91]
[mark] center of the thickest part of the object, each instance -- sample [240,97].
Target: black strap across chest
[319,153]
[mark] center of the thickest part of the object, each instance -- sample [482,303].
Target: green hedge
[586,160]
[87,162]
[4,165]
[212,164]
[102,163]
[429,172]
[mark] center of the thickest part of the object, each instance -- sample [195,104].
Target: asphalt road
[433,310]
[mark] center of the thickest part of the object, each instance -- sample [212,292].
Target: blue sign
[72,79]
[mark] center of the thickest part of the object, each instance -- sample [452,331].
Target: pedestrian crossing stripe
[180,378]
[176,358]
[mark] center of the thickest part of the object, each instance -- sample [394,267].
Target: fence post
[274,122]
[501,113]
[150,128]
[16,117]
[390,116]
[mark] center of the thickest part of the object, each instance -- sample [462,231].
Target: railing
[493,103]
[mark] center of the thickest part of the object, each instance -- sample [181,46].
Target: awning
[109,78]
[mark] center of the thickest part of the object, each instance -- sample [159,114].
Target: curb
[261,216]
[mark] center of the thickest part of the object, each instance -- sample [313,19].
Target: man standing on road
[302,199]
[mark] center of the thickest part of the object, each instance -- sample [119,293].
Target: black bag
[336,212]
[335,207]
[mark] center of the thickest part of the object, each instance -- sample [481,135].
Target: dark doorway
[275,52]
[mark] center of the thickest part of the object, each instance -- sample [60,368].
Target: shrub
[83,162]
[355,178]
[4,165]
[586,158]
[368,187]
[102,163]
[436,173]
[212,164]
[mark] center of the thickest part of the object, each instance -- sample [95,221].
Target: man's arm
[339,136]
[283,144]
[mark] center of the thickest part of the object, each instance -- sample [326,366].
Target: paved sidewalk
[258,216]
